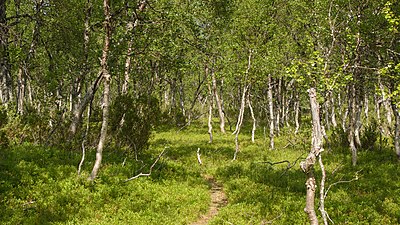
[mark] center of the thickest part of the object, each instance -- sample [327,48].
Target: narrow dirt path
[218,200]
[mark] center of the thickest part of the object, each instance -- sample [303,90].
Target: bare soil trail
[218,200]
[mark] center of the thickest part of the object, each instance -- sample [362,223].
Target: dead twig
[151,168]
[289,164]
[341,182]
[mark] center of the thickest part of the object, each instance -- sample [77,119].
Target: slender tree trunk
[308,165]
[326,109]
[366,105]
[271,113]
[182,97]
[106,92]
[196,96]
[21,90]
[210,112]
[352,124]
[79,105]
[24,65]
[347,110]
[322,191]
[333,113]
[242,106]
[278,106]
[240,121]
[297,112]
[5,74]
[358,123]
[219,103]
[396,138]
[386,103]
[131,25]
[253,130]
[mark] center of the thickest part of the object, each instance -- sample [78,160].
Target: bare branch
[151,168]
[341,182]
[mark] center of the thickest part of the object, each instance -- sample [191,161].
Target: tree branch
[151,168]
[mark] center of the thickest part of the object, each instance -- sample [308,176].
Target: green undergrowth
[40,185]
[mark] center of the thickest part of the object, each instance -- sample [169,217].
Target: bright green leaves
[391,15]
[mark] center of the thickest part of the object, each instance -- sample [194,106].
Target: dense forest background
[129,77]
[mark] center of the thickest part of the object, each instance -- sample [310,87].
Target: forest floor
[40,185]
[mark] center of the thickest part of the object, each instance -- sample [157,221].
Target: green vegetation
[107,106]
[40,185]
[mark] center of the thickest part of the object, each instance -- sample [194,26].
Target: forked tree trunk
[106,92]
[308,165]
[242,106]
[240,121]
[77,105]
[271,113]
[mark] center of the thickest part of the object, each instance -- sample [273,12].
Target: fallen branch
[341,182]
[271,221]
[151,168]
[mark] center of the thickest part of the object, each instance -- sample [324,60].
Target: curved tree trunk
[106,92]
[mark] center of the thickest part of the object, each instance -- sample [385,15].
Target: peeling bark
[308,164]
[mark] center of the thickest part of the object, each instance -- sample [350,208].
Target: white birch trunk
[271,113]
[106,92]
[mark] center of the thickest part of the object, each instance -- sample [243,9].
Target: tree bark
[24,64]
[106,93]
[5,74]
[308,165]
[333,113]
[297,113]
[271,113]
[77,105]
[240,121]
[278,106]
[253,130]
[352,124]
[210,111]
[219,103]
[396,112]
